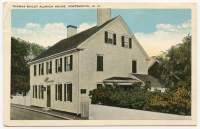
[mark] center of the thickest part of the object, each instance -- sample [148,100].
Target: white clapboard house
[63,75]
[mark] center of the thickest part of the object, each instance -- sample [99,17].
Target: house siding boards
[117,60]
[58,78]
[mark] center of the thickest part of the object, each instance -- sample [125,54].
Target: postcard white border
[6,75]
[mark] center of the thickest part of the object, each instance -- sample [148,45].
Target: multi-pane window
[35,66]
[126,42]
[99,63]
[58,64]
[41,92]
[58,91]
[41,69]
[35,92]
[68,92]
[49,67]
[68,63]
[99,85]
[110,38]
[134,66]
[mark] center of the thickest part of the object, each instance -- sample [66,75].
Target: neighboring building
[153,67]
[106,53]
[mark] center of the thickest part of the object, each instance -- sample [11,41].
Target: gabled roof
[151,61]
[146,77]
[71,42]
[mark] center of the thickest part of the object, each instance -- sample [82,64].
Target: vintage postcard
[99,64]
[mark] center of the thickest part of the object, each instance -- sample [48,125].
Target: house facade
[63,75]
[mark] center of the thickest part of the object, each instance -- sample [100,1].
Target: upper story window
[58,64]
[68,63]
[126,42]
[49,67]
[110,38]
[134,66]
[41,69]
[35,70]
[99,63]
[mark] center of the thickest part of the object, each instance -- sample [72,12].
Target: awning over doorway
[121,80]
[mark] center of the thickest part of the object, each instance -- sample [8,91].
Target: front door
[48,96]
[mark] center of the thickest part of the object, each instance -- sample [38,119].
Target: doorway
[48,96]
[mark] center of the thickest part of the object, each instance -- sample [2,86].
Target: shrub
[175,102]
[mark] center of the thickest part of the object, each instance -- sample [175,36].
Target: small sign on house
[83,91]
[43,88]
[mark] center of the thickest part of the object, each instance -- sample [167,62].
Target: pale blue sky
[156,29]
[138,20]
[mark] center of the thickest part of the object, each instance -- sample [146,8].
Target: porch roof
[120,80]
[146,77]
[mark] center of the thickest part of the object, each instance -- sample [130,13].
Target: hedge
[174,102]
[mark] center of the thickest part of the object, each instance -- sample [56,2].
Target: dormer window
[110,38]
[126,42]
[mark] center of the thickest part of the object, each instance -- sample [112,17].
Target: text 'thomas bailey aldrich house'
[106,53]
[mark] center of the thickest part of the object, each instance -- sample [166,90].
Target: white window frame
[58,93]
[67,63]
[126,41]
[110,37]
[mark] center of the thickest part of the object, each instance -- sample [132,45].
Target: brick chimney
[71,30]
[103,15]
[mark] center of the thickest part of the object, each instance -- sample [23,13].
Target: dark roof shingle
[71,42]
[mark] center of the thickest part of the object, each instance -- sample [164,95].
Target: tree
[175,65]
[21,53]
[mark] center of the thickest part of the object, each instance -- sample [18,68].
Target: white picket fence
[22,100]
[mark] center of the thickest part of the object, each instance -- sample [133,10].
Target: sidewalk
[63,115]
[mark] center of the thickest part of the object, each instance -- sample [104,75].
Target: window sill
[111,44]
[58,72]
[127,48]
[68,71]
[68,101]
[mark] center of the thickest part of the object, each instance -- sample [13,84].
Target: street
[23,114]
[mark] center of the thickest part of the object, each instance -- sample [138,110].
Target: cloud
[85,26]
[164,37]
[47,35]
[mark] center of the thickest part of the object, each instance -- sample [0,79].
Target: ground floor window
[41,92]
[68,92]
[99,85]
[35,93]
[58,92]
